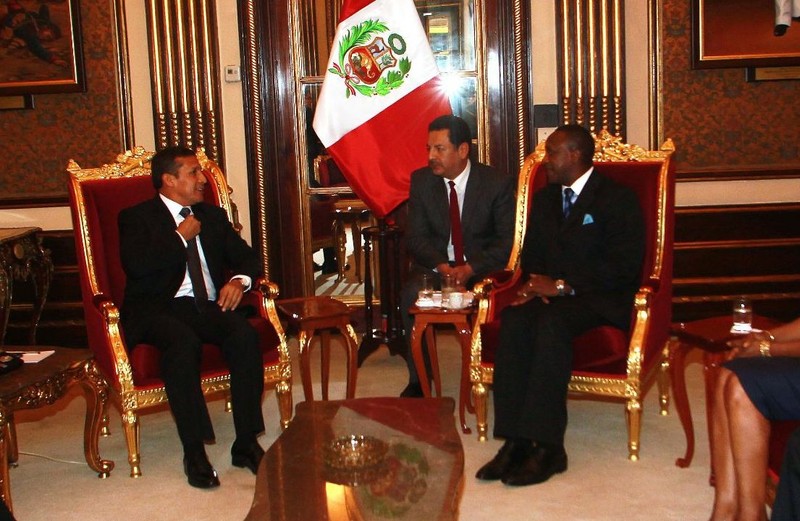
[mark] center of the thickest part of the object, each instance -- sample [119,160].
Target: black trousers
[179,334]
[787,498]
[533,364]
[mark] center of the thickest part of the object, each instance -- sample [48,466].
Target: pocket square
[587,219]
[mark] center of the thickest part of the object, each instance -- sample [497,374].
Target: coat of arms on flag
[381,87]
[375,63]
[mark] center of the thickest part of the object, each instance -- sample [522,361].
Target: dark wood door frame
[270,120]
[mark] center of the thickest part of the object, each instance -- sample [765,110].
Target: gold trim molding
[591,64]
[185,85]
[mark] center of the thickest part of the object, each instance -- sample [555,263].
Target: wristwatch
[560,285]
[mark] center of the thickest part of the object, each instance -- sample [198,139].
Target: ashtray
[354,452]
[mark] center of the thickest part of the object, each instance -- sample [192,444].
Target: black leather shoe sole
[412,391]
[199,477]
[539,472]
[505,461]
[245,461]
[248,456]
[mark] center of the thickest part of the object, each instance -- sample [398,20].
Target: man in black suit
[176,308]
[583,270]
[486,203]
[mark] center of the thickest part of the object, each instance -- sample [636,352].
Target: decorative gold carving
[250,58]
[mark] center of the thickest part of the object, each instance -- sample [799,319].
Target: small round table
[462,320]
[711,336]
[308,315]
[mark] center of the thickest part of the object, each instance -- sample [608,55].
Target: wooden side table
[461,319]
[22,257]
[344,213]
[35,385]
[307,315]
[711,336]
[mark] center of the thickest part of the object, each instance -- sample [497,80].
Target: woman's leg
[725,506]
[749,435]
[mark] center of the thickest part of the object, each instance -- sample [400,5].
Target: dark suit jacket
[598,249]
[487,219]
[154,257]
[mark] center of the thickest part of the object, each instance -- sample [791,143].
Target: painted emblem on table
[371,67]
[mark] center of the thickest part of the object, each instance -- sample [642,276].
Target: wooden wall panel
[723,252]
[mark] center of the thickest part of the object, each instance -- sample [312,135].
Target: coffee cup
[456,300]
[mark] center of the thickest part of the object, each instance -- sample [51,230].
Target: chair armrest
[110,351]
[267,288]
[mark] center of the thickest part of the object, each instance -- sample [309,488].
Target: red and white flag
[381,90]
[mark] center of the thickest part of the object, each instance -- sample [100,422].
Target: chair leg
[633,416]
[664,382]
[325,361]
[130,425]
[351,348]
[304,340]
[283,393]
[479,394]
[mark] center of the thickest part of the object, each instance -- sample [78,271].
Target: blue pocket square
[587,219]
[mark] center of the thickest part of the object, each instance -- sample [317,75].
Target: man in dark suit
[583,270]
[486,204]
[175,307]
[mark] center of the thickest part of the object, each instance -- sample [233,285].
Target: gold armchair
[607,361]
[96,197]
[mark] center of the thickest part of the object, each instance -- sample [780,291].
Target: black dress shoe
[506,460]
[248,456]
[539,465]
[412,390]
[780,30]
[199,471]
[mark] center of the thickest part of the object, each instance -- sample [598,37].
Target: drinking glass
[448,286]
[742,315]
[426,291]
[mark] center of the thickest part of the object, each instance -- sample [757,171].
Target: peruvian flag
[381,90]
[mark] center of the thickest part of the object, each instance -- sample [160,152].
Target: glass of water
[426,291]
[448,286]
[742,315]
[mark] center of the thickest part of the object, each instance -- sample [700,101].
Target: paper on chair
[33,357]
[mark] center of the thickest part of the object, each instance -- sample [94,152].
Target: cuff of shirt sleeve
[248,282]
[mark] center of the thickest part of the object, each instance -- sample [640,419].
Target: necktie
[195,269]
[569,194]
[455,226]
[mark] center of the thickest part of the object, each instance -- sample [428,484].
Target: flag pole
[390,332]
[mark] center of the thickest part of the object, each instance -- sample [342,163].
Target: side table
[308,315]
[352,213]
[461,319]
[711,336]
[21,257]
[35,385]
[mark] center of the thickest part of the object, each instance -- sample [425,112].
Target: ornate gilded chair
[96,197]
[607,361]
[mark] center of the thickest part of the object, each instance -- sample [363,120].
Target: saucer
[426,303]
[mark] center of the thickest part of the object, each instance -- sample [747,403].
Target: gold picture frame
[42,54]
[741,34]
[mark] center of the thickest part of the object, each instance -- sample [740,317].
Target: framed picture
[743,33]
[40,47]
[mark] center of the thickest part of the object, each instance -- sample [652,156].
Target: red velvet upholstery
[96,198]
[607,361]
